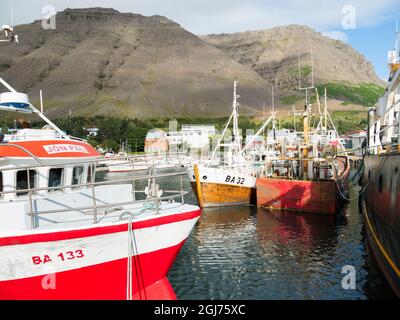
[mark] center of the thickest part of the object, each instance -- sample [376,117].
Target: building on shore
[191,136]
[156,141]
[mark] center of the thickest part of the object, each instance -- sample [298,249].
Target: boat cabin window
[55,178]
[91,169]
[77,175]
[22,181]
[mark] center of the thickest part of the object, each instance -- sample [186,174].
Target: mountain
[101,61]
[274,55]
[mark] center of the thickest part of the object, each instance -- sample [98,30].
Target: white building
[194,136]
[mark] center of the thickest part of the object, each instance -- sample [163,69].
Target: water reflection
[249,253]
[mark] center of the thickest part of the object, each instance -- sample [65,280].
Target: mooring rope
[138,267]
[133,253]
[364,187]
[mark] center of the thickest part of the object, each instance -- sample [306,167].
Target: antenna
[12,13]
[312,77]
[312,68]
[397,49]
[41,101]
[273,113]
[236,136]
[299,71]
[273,100]
[234,118]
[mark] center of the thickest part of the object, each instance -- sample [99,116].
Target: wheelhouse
[45,179]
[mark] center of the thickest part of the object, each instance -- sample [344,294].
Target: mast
[396,47]
[326,110]
[312,78]
[235,145]
[236,134]
[307,106]
[320,125]
[273,113]
[394,56]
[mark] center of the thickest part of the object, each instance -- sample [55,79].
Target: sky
[367,25]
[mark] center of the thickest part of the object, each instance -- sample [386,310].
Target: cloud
[217,16]
[336,35]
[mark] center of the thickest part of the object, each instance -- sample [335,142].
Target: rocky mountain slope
[274,54]
[101,61]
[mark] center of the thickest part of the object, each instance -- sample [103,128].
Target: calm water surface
[248,253]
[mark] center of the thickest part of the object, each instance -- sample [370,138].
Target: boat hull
[93,263]
[217,187]
[380,207]
[308,196]
[218,195]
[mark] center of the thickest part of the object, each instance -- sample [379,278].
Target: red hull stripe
[50,149]
[95,231]
[101,281]
[313,196]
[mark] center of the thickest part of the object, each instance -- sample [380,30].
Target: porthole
[204,177]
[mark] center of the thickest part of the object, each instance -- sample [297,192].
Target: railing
[385,125]
[152,195]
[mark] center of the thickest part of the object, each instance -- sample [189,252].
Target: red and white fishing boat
[316,178]
[65,235]
[231,180]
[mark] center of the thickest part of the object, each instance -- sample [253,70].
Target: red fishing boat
[315,179]
[66,235]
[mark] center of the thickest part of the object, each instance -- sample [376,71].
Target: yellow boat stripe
[198,185]
[384,252]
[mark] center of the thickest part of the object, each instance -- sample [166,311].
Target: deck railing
[386,126]
[152,194]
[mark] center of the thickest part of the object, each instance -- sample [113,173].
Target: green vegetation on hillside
[347,121]
[304,71]
[290,100]
[114,131]
[365,94]
[344,121]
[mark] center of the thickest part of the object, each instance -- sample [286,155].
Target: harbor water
[243,252]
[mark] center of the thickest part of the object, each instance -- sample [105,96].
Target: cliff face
[274,54]
[101,61]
